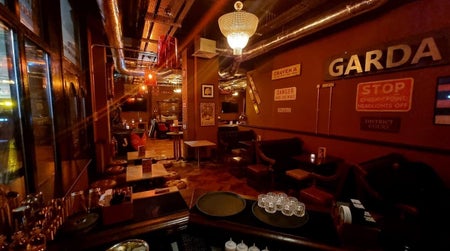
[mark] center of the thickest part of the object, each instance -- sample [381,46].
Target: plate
[80,222]
[220,204]
[278,219]
[133,244]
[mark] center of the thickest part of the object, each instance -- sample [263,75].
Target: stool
[259,177]
[237,165]
[314,195]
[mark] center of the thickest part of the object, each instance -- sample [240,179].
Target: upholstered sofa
[411,198]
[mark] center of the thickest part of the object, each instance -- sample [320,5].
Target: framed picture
[322,153]
[207,91]
[442,104]
[207,112]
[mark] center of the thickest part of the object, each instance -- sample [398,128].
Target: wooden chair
[260,175]
[324,190]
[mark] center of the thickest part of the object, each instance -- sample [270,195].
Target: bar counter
[175,213]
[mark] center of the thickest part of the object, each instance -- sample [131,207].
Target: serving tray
[278,219]
[220,204]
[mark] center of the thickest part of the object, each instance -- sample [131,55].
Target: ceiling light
[238,27]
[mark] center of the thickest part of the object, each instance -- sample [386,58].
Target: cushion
[298,174]
[315,195]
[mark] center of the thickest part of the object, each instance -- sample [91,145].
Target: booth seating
[411,199]
[278,156]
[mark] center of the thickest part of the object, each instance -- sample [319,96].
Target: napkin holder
[115,213]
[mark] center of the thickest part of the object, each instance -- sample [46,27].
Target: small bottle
[3,243]
[230,245]
[37,241]
[253,248]
[242,246]
[19,242]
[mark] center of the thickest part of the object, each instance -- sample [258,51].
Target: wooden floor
[212,175]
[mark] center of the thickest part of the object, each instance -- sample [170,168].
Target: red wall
[339,129]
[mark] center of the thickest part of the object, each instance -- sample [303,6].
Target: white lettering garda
[401,53]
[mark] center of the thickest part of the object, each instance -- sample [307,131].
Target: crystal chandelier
[238,27]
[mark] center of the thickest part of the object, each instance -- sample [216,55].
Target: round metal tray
[220,204]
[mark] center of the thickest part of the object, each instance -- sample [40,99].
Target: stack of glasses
[287,205]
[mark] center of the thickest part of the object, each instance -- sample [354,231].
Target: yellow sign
[285,72]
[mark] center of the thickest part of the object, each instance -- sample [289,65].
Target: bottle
[37,241]
[19,242]
[230,245]
[3,243]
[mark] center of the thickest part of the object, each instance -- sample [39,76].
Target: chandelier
[238,27]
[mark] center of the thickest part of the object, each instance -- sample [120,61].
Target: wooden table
[197,144]
[135,173]
[132,156]
[176,138]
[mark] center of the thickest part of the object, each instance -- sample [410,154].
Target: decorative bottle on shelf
[19,242]
[3,243]
[37,241]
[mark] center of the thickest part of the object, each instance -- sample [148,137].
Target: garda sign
[419,52]
[385,96]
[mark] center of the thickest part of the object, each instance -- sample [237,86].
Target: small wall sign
[285,72]
[383,124]
[282,94]
[284,110]
[392,95]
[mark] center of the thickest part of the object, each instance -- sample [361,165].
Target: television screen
[229,107]
[134,104]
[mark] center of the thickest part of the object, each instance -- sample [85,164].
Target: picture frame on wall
[442,104]
[207,91]
[322,152]
[207,113]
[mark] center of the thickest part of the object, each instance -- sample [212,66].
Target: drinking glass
[299,209]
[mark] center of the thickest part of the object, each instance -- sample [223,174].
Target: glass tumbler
[299,209]
[262,200]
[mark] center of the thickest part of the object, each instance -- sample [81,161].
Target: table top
[199,143]
[135,172]
[174,133]
[135,155]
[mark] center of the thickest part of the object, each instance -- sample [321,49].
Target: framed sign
[207,91]
[442,106]
[207,113]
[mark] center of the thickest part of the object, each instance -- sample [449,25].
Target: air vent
[205,48]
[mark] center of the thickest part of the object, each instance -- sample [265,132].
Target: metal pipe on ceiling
[319,23]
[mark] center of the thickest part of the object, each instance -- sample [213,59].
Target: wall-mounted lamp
[238,27]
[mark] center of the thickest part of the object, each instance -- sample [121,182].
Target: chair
[324,190]
[260,175]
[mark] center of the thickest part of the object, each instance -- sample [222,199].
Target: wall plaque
[392,95]
[383,124]
[285,72]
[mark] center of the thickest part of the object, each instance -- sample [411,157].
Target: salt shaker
[230,245]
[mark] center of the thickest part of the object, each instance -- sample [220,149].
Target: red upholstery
[326,189]
[315,195]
